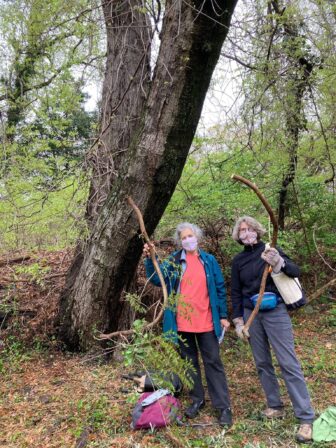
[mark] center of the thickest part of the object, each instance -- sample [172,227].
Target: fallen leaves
[51,399]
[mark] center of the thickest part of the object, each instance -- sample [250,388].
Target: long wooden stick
[115,334]
[273,243]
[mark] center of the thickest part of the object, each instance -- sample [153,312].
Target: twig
[272,244]
[99,355]
[319,253]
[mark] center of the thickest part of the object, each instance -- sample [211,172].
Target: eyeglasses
[246,230]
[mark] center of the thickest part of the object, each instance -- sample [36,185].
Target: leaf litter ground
[50,398]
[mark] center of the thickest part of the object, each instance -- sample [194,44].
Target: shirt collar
[253,247]
[184,255]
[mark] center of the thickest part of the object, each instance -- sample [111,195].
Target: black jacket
[247,270]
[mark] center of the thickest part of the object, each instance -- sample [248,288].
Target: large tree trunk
[191,40]
[125,90]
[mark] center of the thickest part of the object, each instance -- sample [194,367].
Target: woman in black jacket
[271,327]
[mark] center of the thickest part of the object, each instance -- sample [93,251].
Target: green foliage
[42,194]
[150,352]
[12,354]
[185,308]
[135,302]
[95,411]
[206,195]
[275,123]
[34,271]
[34,219]
[8,303]
[331,317]
[45,129]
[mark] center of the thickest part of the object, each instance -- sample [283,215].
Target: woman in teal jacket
[199,318]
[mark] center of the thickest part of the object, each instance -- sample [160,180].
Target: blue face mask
[189,243]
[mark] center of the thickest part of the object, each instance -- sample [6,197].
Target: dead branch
[272,244]
[25,280]
[157,319]
[321,290]
[14,260]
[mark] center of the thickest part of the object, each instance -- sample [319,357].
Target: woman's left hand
[225,323]
[273,258]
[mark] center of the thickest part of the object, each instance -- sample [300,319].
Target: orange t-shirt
[193,308]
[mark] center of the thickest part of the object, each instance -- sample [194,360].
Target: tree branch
[239,61]
[158,271]
[321,290]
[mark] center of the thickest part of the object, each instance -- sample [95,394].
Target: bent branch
[158,271]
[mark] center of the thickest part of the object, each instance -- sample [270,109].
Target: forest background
[269,115]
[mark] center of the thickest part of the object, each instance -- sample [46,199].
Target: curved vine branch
[158,271]
[272,244]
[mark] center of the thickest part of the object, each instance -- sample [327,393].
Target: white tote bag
[290,290]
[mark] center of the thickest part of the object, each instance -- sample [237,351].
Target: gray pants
[274,328]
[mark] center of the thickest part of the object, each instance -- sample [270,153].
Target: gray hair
[251,222]
[186,225]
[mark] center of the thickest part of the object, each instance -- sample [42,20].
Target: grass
[52,399]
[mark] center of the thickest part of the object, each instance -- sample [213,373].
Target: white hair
[251,222]
[186,225]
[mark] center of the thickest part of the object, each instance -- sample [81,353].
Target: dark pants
[208,345]
[274,328]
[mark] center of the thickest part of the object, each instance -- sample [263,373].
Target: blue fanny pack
[269,301]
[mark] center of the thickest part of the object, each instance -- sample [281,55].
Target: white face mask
[248,237]
[189,243]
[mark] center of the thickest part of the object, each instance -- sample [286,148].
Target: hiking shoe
[225,417]
[273,413]
[194,409]
[305,433]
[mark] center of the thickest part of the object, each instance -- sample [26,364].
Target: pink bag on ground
[155,410]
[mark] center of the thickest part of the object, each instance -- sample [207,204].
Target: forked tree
[149,117]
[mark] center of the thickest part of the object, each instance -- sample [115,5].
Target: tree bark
[294,126]
[300,69]
[125,90]
[191,40]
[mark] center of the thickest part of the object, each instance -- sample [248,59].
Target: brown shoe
[305,433]
[273,413]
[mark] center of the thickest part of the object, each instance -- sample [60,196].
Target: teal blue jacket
[172,270]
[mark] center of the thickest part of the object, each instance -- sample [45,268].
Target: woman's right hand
[146,250]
